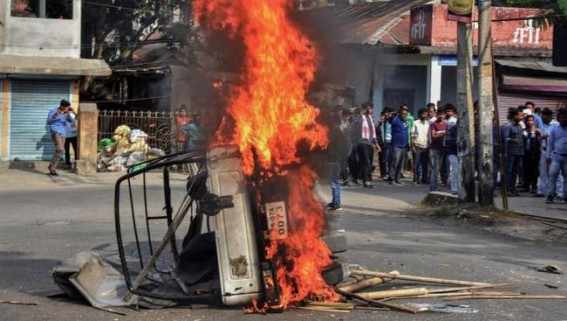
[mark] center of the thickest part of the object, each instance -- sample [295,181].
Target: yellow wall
[5,118]
[75,95]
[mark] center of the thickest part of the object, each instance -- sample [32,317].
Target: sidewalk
[34,175]
[382,198]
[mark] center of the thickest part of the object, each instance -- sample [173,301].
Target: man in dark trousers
[364,132]
[513,141]
[400,144]
[557,156]
[57,119]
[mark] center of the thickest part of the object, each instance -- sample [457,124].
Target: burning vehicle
[242,245]
[254,226]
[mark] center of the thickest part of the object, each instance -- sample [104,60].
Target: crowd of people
[533,149]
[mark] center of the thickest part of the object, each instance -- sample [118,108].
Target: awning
[532,65]
[549,85]
[53,66]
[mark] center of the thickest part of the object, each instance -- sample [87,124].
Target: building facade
[40,64]
[404,52]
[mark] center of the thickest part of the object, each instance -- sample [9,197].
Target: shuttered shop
[31,100]
[1,116]
[507,100]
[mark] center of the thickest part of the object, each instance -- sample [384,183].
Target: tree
[114,30]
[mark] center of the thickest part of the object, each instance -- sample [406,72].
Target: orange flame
[302,256]
[269,109]
[271,117]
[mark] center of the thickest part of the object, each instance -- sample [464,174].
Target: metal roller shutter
[507,100]
[1,113]
[30,103]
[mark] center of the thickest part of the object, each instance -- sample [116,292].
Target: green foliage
[554,9]
[562,4]
[120,27]
[522,3]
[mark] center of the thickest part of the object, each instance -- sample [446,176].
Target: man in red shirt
[438,130]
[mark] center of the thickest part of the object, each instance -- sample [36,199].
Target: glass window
[59,9]
[24,8]
[54,9]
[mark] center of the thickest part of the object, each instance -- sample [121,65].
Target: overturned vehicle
[192,229]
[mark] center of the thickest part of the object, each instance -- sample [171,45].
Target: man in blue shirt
[548,124]
[557,156]
[400,139]
[57,119]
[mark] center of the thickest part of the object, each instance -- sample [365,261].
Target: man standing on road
[513,140]
[438,130]
[386,147]
[71,141]
[400,139]
[557,156]
[420,146]
[57,119]
[548,124]
[338,152]
[364,132]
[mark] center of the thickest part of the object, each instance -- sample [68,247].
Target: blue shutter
[1,113]
[30,102]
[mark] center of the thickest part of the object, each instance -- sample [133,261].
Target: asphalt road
[42,224]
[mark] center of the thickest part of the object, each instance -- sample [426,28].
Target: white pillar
[378,90]
[433,80]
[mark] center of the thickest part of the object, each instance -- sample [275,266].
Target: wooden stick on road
[418,278]
[393,293]
[478,288]
[382,304]
[17,302]
[510,297]
[366,283]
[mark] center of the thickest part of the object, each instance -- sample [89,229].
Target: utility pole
[486,105]
[465,139]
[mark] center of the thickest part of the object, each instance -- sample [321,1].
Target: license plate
[277,219]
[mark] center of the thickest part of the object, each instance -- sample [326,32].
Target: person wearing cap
[57,119]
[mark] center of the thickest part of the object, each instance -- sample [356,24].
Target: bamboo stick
[504,287]
[497,293]
[521,297]
[393,293]
[381,303]
[367,283]
[418,278]
[17,302]
[323,309]
[456,294]
[332,305]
